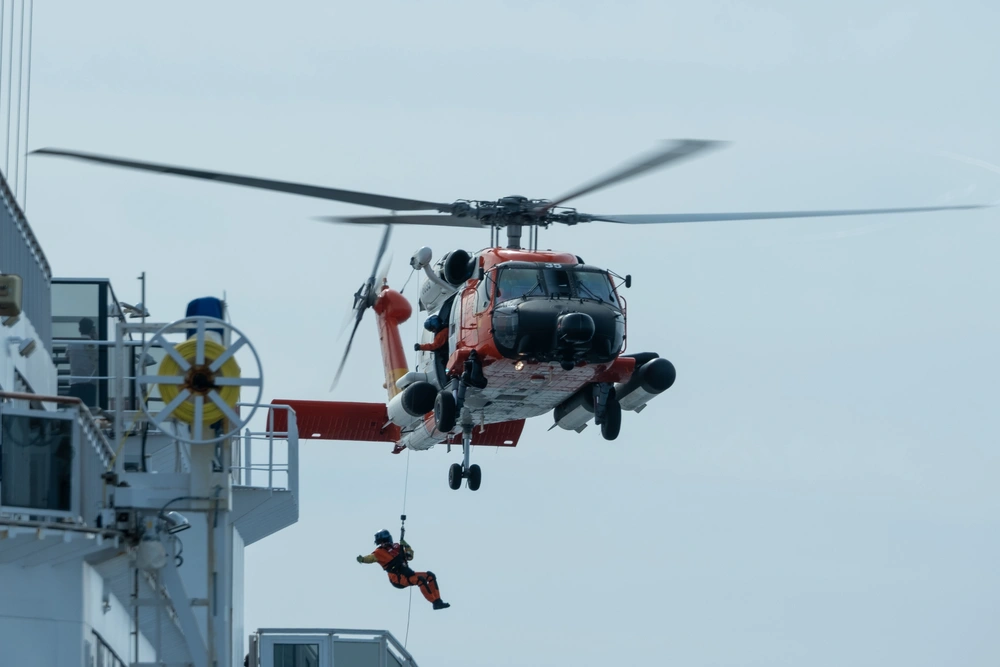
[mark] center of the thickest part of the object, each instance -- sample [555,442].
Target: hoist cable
[406,479]
[412,271]
[409,605]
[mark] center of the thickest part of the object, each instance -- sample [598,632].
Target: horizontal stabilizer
[337,420]
[501,434]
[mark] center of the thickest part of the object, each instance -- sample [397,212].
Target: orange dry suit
[440,338]
[394,559]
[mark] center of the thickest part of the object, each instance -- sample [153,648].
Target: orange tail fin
[391,310]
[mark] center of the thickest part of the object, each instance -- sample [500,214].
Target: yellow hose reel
[200,380]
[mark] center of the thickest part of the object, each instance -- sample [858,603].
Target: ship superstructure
[131,481]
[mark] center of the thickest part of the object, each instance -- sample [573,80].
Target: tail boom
[391,310]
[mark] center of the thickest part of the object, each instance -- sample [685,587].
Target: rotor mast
[514,236]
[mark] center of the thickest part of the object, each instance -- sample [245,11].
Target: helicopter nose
[575,328]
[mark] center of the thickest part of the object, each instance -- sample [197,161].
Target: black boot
[441,604]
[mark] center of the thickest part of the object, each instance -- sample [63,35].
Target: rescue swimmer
[393,558]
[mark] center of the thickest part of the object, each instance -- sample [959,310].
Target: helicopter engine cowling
[574,413]
[451,272]
[653,377]
[415,401]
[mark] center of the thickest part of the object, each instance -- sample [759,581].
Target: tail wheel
[455,476]
[475,477]
[612,423]
[445,411]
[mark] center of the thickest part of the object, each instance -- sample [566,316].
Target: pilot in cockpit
[515,282]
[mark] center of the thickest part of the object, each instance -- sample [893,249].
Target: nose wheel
[457,472]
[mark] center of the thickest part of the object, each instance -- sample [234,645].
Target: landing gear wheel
[455,476]
[445,411]
[475,477]
[612,423]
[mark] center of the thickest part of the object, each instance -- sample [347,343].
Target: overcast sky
[818,488]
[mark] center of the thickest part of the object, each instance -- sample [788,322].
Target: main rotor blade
[440,220]
[678,150]
[714,217]
[348,196]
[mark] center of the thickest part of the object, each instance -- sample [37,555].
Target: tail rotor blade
[365,297]
[380,280]
[348,316]
[381,250]
[347,350]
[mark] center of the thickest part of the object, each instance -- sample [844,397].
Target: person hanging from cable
[393,557]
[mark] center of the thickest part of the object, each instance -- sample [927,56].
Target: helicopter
[510,333]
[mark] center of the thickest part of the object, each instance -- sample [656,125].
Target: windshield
[554,282]
[595,285]
[515,283]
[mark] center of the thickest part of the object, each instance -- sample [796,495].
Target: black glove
[416,347]
[361,559]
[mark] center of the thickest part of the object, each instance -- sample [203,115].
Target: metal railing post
[270,464]
[292,438]
[248,457]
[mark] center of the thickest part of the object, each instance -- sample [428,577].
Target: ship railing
[71,488]
[269,458]
[123,399]
[112,400]
[328,647]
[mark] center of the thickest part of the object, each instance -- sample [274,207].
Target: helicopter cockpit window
[559,283]
[484,290]
[516,283]
[595,285]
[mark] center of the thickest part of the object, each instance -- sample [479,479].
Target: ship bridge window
[85,313]
[296,655]
[105,656]
[36,461]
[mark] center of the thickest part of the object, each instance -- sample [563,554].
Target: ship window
[594,285]
[36,461]
[296,655]
[515,283]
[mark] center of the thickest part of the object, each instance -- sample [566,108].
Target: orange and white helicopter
[511,333]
